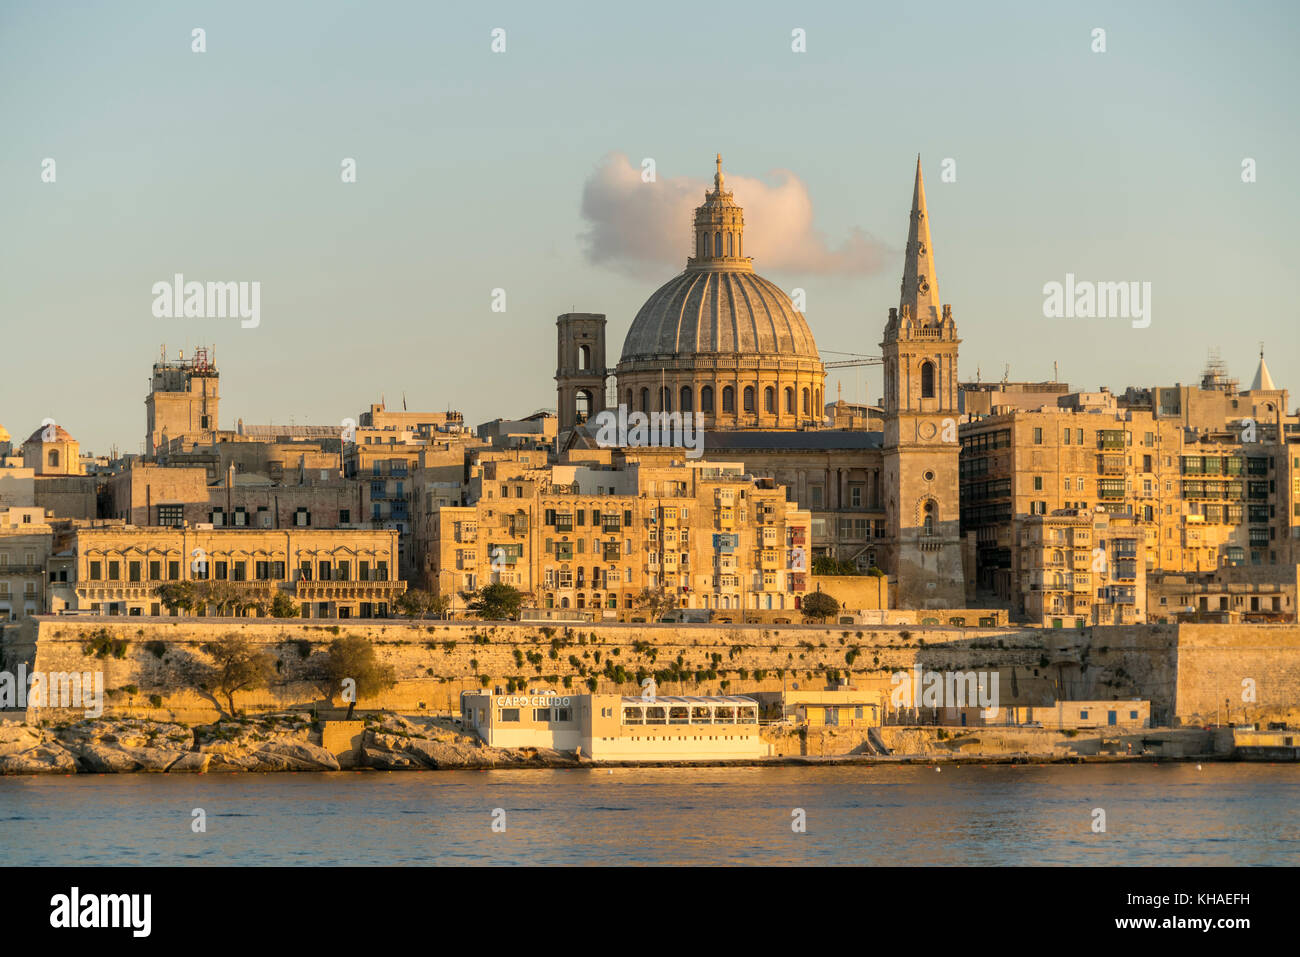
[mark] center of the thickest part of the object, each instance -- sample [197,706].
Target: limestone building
[1203,500]
[26,541]
[1080,567]
[183,401]
[331,573]
[50,451]
[592,537]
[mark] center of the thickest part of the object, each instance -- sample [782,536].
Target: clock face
[927,430]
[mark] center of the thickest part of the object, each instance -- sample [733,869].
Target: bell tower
[921,446]
[580,371]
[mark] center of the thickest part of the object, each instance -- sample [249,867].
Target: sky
[521,171]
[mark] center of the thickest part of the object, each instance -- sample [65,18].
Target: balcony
[335,590]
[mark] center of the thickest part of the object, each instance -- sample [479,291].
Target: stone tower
[579,367]
[183,401]
[921,448]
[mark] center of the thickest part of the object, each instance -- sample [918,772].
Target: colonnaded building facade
[721,341]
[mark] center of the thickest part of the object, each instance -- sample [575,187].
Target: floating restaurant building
[611,727]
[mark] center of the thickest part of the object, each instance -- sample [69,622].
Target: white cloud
[645,228]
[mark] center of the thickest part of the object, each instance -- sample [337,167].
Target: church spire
[920,291]
[1263,381]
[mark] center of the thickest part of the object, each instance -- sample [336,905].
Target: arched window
[584,357]
[769,400]
[789,400]
[749,398]
[728,244]
[583,404]
[927,380]
[629,400]
[703,245]
[665,399]
[817,404]
[807,402]
[928,519]
[686,399]
[706,399]
[728,399]
[645,400]
[54,458]
[717,244]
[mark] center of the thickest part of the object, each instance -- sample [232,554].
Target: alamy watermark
[1084,299]
[179,299]
[53,689]
[624,429]
[945,689]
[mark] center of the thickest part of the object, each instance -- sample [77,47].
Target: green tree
[176,596]
[238,666]
[496,602]
[655,602]
[819,606]
[353,659]
[827,565]
[282,606]
[416,603]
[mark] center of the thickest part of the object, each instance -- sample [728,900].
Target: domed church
[720,339]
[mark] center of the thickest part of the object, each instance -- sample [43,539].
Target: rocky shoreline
[388,743]
[260,744]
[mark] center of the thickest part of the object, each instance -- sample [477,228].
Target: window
[171,516]
[728,399]
[769,400]
[302,517]
[927,380]
[789,401]
[509,714]
[706,398]
[749,398]
[1038,436]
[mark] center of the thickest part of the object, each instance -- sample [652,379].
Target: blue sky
[1123,165]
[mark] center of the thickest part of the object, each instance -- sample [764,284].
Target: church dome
[718,310]
[721,340]
[60,434]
